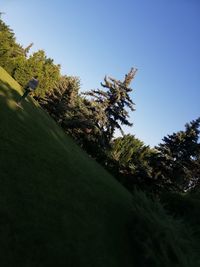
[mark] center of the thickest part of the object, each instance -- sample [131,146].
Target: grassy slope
[58,207]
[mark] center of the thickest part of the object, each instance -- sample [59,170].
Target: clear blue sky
[93,38]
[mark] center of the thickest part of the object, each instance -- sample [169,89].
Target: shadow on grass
[7,91]
[29,111]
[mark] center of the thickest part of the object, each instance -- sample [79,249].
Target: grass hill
[58,207]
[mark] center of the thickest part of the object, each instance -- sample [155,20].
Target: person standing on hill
[30,87]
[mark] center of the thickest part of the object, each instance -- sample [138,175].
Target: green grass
[58,207]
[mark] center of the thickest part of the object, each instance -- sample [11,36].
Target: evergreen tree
[111,105]
[176,164]
[91,121]
[10,51]
[62,100]
[130,158]
[14,58]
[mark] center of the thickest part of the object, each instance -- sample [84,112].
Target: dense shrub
[185,207]
[157,238]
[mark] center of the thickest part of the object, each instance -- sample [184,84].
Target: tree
[176,163]
[62,99]
[92,121]
[38,64]
[129,158]
[10,51]
[14,58]
[111,105]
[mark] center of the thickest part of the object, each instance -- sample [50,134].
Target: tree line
[93,117]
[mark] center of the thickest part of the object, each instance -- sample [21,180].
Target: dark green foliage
[14,58]
[157,238]
[176,164]
[129,159]
[62,99]
[186,207]
[75,114]
[66,106]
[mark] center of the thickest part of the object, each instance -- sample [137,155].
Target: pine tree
[111,105]
[62,100]
[176,165]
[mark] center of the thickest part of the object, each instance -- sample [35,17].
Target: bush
[185,207]
[157,238]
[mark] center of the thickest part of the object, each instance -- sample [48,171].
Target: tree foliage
[176,163]
[38,64]
[16,60]
[10,51]
[112,105]
[130,158]
[91,118]
[61,101]
[158,239]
